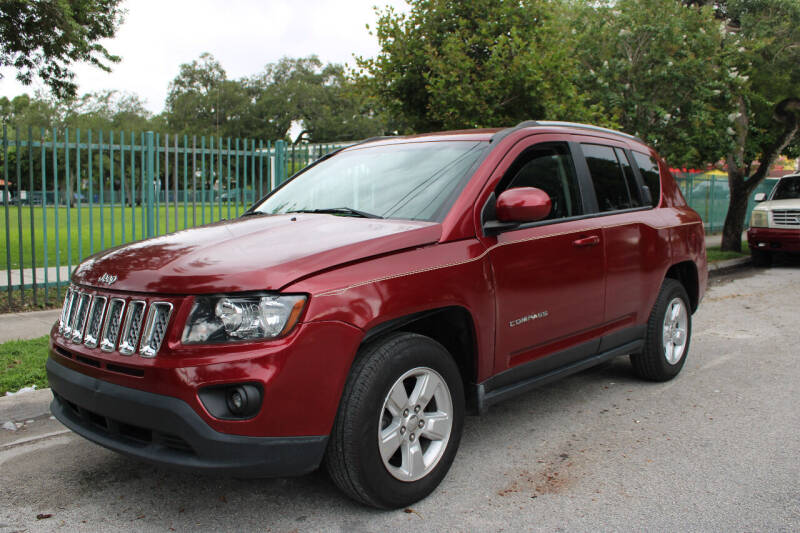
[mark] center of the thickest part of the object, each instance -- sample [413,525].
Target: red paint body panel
[593,276]
[249,254]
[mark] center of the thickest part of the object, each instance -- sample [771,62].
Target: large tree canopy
[656,69]
[43,38]
[450,64]
[762,48]
[203,101]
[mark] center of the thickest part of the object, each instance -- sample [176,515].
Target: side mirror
[522,204]
[760,197]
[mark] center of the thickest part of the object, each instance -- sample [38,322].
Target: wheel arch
[452,326]
[686,274]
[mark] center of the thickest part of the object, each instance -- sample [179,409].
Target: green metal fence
[710,196]
[68,194]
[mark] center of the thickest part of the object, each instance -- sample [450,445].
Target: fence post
[280,162]
[150,184]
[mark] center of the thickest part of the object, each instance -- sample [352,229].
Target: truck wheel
[761,258]
[669,331]
[399,422]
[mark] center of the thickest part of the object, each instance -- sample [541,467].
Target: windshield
[415,181]
[787,189]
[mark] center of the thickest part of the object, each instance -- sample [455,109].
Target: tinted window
[630,178]
[608,178]
[787,189]
[648,166]
[549,168]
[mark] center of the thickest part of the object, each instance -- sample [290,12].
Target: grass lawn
[89,230]
[22,364]
[715,254]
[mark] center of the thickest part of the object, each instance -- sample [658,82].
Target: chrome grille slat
[62,322]
[132,328]
[73,299]
[112,324]
[81,312]
[95,321]
[155,328]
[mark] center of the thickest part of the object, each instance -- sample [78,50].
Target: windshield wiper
[339,211]
[254,214]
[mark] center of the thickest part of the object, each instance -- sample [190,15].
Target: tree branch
[787,112]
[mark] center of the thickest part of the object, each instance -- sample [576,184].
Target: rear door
[630,229]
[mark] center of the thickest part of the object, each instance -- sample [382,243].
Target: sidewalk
[26,275]
[28,325]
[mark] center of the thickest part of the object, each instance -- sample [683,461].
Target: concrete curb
[718,268]
[25,406]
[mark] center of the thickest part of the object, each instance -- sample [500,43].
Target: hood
[250,253]
[791,203]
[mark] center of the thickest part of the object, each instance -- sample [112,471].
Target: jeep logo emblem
[107,278]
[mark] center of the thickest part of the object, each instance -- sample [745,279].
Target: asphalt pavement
[716,449]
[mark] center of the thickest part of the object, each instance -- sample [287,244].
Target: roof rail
[534,123]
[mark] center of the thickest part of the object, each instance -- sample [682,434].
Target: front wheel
[669,330]
[399,422]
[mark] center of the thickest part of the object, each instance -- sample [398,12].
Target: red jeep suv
[353,315]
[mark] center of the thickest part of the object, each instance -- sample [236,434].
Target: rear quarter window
[648,167]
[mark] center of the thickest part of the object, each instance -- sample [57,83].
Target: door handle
[587,241]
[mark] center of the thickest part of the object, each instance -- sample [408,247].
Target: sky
[244,35]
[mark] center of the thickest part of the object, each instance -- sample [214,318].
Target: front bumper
[774,239]
[166,431]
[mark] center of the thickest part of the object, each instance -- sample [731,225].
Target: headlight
[759,219]
[241,318]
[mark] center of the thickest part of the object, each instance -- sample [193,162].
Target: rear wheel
[399,422]
[669,331]
[761,258]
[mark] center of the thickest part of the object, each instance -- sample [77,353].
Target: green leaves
[203,101]
[450,65]
[44,38]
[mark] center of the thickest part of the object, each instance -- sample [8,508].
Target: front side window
[787,189]
[610,184]
[548,167]
[417,181]
[648,167]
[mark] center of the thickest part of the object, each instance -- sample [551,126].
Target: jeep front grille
[786,217]
[114,323]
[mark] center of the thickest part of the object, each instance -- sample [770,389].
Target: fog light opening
[235,401]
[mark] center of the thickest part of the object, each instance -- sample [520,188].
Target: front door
[549,275]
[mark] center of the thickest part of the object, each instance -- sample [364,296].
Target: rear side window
[648,166]
[630,178]
[608,178]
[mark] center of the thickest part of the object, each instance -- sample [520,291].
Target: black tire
[652,364]
[353,457]
[761,258]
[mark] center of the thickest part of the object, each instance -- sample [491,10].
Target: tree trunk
[734,220]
